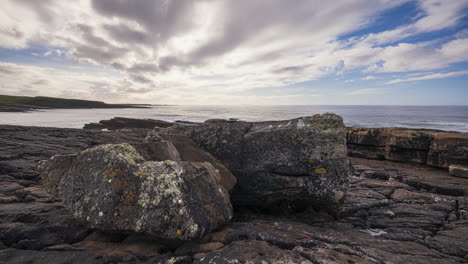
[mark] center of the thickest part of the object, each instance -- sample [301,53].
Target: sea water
[451,118]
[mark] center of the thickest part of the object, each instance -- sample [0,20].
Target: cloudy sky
[237,51]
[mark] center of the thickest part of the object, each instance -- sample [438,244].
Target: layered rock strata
[432,147]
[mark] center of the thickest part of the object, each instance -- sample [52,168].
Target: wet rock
[458,171]
[111,187]
[299,160]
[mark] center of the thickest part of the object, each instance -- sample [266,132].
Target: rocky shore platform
[392,211]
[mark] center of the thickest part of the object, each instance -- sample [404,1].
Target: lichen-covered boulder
[298,160]
[112,188]
[181,148]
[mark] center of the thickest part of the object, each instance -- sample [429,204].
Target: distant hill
[10,103]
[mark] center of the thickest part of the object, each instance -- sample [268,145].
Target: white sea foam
[374,232]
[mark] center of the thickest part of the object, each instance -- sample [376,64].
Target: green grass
[11,100]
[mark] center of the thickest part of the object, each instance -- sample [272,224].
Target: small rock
[458,171]
[379,175]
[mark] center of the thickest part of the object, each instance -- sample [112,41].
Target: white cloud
[180,51]
[429,77]
[436,15]
[368,78]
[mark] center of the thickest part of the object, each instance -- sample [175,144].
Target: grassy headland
[10,103]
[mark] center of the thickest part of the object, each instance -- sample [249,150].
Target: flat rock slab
[424,177]
[458,171]
[111,187]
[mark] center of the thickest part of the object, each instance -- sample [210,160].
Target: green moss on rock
[327,122]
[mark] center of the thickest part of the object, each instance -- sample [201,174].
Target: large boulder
[298,160]
[112,188]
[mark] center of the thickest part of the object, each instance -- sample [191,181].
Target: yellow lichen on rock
[320,170]
[129,199]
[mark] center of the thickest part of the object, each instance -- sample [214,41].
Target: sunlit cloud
[192,51]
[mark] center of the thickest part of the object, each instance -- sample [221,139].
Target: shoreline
[31,108]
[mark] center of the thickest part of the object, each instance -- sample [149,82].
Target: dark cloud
[161,18]
[118,66]
[40,82]
[140,79]
[290,69]
[125,34]
[96,48]
[167,63]
[246,20]
[88,35]
[104,55]
[12,32]
[144,67]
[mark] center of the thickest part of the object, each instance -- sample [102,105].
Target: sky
[226,52]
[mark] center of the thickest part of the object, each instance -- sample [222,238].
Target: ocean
[450,118]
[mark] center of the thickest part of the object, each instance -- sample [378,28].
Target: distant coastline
[10,103]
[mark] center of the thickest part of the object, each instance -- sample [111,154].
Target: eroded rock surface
[432,147]
[391,213]
[299,160]
[111,187]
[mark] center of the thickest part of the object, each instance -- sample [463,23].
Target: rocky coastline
[399,204]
